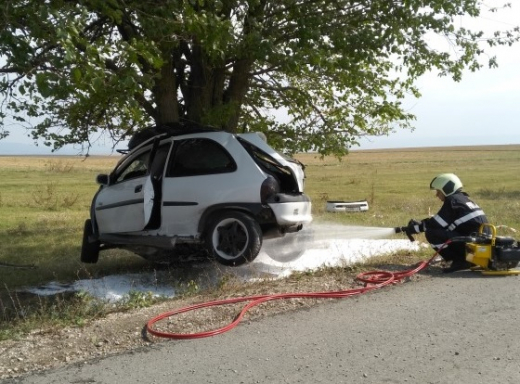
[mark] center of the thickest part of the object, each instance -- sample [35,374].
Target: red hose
[373,280]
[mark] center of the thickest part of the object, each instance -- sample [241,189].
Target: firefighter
[458,216]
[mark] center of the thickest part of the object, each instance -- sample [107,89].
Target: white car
[223,191]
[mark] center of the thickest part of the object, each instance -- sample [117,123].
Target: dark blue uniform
[458,216]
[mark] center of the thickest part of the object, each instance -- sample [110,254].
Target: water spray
[337,231]
[324,231]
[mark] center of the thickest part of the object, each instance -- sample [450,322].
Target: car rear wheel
[233,238]
[89,248]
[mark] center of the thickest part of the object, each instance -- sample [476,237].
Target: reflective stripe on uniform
[440,220]
[466,218]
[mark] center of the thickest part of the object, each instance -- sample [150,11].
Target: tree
[339,69]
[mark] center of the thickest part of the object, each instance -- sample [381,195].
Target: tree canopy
[336,69]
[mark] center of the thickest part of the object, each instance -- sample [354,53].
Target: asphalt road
[461,328]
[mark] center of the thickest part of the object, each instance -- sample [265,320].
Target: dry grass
[395,182]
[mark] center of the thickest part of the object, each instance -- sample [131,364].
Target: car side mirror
[102,179]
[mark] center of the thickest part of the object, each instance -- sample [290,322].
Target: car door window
[194,157]
[138,167]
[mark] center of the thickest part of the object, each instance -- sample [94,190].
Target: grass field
[396,182]
[44,201]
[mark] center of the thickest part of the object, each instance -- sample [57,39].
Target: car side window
[138,167]
[194,157]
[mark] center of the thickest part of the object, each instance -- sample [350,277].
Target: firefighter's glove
[415,227]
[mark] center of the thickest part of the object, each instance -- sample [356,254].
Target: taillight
[270,188]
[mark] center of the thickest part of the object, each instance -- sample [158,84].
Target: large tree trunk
[239,81]
[238,86]
[196,100]
[218,81]
[165,92]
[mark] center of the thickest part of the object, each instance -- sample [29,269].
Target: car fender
[262,213]
[93,218]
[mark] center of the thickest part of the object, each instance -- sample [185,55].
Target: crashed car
[219,191]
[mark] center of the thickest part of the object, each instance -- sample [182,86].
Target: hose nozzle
[405,230]
[399,229]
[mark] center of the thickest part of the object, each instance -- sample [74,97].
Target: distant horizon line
[460,147]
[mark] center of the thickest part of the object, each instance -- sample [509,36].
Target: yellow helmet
[447,183]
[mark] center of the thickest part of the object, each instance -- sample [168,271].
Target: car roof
[148,134]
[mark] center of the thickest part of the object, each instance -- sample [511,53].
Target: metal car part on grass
[347,206]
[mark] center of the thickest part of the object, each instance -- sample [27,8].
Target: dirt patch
[121,332]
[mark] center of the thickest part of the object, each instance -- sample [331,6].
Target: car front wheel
[233,238]
[89,248]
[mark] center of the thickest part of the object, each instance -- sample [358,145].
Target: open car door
[131,200]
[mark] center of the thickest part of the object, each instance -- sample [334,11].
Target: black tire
[89,246]
[233,238]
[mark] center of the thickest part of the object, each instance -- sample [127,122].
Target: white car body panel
[119,208]
[148,197]
[290,213]
[194,194]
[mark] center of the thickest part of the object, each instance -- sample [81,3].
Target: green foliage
[138,299]
[339,69]
[189,288]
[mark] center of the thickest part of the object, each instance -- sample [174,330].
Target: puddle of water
[316,246]
[111,288]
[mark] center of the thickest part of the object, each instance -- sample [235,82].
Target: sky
[481,109]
